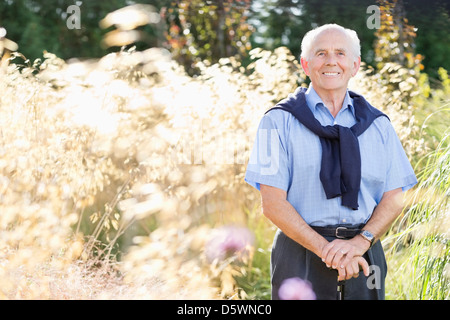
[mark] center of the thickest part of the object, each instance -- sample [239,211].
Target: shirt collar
[313,100]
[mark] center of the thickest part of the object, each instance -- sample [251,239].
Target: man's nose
[331,60]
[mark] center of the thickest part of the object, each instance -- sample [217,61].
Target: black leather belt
[337,232]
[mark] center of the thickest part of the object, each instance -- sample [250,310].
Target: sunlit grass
[118,171]
[116,174]
[419,253]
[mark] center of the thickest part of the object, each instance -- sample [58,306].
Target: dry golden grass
[116,174]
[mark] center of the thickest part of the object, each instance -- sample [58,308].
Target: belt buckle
[337,232]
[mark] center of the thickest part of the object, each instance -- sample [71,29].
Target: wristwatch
[368,236]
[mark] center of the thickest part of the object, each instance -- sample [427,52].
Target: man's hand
[346,256]
[352,269]
[338,254]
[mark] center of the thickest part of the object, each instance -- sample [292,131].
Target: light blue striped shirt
[287,155]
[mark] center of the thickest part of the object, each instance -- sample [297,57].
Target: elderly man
[331,172]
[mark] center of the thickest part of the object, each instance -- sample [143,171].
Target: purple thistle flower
[227,241]
[296,289]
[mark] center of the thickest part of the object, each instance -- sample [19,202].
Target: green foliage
[431,18]
[197,30]
[285,22]
[208,30]
[254,281]
[38,26]
[395,37]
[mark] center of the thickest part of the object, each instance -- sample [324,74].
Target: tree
[395,37]
[208,30]
[285,22]
[432,41]
[38,26]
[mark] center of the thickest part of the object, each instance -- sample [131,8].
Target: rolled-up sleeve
[400,173]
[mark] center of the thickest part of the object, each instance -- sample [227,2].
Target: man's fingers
[337,258]
[346,259]
[333,253]
[355,267]
[364,265]
[342,274]
[352,269]
[338,255]
[326,249]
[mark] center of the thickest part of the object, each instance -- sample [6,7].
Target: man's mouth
[331,73]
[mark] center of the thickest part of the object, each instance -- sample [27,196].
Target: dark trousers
[290,259]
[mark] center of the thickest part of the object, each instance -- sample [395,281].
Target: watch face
[368,235]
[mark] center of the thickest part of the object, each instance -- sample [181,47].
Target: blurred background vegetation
[100,194]
[195,30]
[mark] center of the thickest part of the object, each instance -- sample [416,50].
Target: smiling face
[330,62]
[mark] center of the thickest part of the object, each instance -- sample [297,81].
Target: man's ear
[356,65]
[304,64]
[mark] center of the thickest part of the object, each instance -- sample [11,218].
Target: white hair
[311,35]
